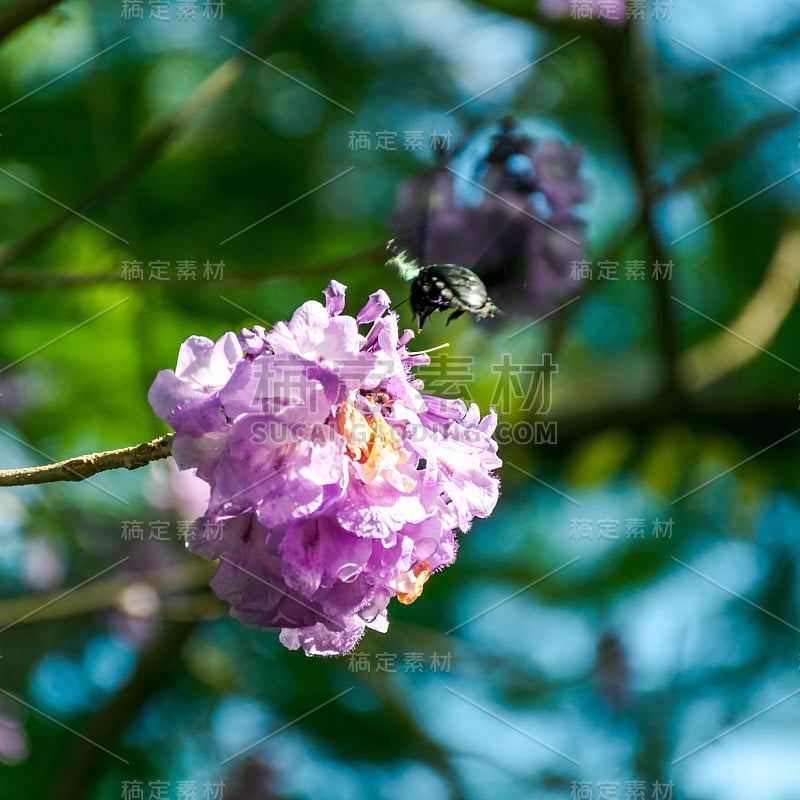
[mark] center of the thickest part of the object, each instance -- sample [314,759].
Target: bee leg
[455,315]
[423,315]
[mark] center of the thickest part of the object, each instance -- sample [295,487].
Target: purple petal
[334,298]
[376,306]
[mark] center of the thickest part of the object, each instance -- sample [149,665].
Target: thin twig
[722,155]
[82,467]
[755,419]
[188,574]
[32,279]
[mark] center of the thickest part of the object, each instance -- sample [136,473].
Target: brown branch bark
[82,467]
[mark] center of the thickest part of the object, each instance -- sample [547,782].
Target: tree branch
[754,327]
[755,419]
[82,467]
[188,574]
[250,275]
[631,86]
[720,156]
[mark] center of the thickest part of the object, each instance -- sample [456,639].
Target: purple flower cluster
[335,484]
[505,208]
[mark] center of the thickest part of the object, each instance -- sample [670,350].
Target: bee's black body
[441,286]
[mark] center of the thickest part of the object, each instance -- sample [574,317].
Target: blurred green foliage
[645,642]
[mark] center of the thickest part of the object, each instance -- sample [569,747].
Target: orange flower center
[409,585]
[370,441]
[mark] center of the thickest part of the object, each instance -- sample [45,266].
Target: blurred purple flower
[335,484]
[612,12]
[43,563]
[23,390]
[14,743]
[506,211]
[167,487]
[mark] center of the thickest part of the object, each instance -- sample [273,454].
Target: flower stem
[82,467]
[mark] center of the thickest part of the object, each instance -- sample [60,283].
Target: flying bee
[440,286]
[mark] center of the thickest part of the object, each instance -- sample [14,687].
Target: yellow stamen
[409,586]
[370,441]
[353,425]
